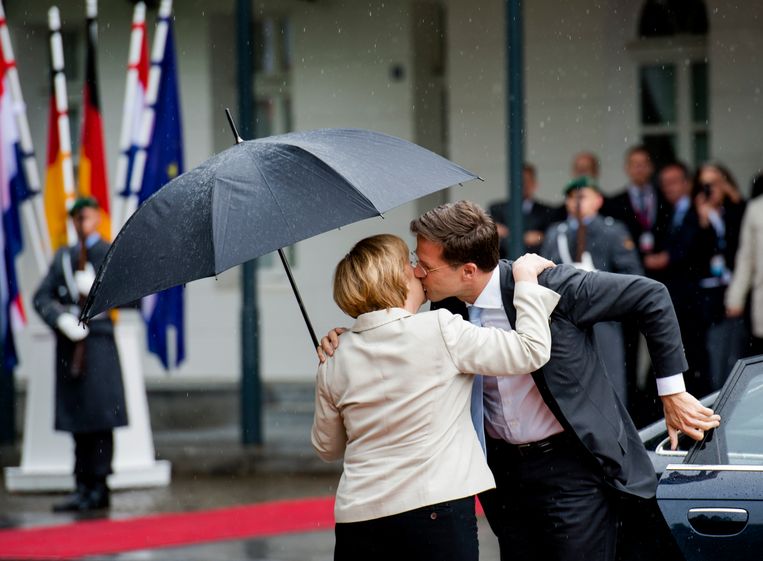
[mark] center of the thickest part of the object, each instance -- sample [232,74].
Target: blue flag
[164,161]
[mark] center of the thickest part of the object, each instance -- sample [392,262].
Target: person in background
[719,205]
[595,243]
[684,262]
[747,279]
[641,207]
[393,401]
[89,395]
[537,215]
[585,164]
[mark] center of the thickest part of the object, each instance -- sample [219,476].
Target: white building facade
[429,71]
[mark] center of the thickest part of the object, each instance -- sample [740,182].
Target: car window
[739,439]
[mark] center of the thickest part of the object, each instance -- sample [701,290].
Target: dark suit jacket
[619,207]
[540,217]
[574,383]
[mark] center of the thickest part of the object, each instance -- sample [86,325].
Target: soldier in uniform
[592,242]
[89,394]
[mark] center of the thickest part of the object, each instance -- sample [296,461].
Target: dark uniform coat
[607,240]
[574,383]
[611,249]
[94,400]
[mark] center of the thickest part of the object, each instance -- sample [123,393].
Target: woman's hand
[529,266]
[329,343]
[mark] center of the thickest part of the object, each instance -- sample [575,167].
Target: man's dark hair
[465,231]
[638,148]
[680,165]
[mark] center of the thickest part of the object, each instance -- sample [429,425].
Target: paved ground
[189,493]
[211,470]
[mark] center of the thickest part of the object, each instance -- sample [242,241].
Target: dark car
[711,492]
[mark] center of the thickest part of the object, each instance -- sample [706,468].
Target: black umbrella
[257,197]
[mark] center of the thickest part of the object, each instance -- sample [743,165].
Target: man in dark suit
[646,214]
[90,400]
[537,215]
[560,443]
[684,263]
[641,206]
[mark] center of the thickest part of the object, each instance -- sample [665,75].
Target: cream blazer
[393,400]
[748,269]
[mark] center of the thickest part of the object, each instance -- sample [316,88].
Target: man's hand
[329,343]
[685,413]
[657,261]
[733,312]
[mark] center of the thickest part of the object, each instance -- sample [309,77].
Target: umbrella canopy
[257,197]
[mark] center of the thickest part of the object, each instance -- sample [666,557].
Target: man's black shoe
[85,499]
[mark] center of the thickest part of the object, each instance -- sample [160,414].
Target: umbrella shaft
[299,298]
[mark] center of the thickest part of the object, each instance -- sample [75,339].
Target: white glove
[84,279]
[69,325]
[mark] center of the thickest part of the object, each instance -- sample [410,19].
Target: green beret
[581,183]
[82,202]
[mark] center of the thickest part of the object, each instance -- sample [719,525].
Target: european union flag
[164,161]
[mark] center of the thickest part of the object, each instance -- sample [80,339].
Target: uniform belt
[539,447]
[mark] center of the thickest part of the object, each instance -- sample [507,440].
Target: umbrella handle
[299,298]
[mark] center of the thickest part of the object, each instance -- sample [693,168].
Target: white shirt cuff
[671,384]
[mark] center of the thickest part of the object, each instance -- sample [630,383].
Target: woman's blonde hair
[372,276]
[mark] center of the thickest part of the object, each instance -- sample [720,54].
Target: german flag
[93,181]
[59,176]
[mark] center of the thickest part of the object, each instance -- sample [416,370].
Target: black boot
[73,502]
[98,496]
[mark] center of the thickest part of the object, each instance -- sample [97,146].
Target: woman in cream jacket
[394,402]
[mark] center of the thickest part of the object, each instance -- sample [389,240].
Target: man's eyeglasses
[418,269]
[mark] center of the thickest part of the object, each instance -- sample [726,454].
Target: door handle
[718,521]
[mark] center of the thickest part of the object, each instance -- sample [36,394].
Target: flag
[13,190]
[59,176]
[164,161]
[55,196]
[139,100]
[93,180]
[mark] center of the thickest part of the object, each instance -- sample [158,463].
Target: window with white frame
[673,100]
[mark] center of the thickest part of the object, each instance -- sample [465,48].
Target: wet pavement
[194,493]
[211,470]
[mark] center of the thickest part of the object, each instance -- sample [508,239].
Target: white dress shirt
[514,408]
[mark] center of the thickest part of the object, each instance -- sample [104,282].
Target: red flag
[93,180]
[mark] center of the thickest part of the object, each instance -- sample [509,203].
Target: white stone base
[19,481]
[47,456]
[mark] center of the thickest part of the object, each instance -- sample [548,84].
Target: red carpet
[101,537]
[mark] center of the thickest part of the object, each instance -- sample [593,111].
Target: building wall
[736,86]
[353,67]
[366,65]
[582,91]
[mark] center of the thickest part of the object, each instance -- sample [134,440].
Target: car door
[713,500]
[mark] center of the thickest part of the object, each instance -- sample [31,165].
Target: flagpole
[33,213]
[62,113]
[149,114]
[122,188]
